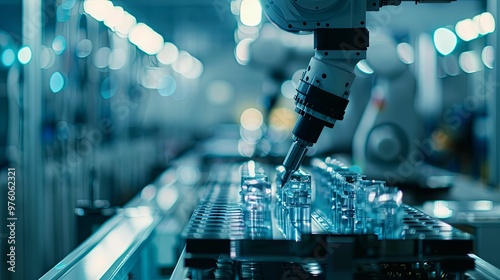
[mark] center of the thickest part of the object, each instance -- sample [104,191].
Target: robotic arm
[340,41]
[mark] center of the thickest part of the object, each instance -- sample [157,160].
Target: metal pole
[31,190]
[494,106]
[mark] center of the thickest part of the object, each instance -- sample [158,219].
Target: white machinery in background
[340,41]
[390,129]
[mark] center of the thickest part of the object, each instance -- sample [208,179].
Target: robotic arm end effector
[341,41]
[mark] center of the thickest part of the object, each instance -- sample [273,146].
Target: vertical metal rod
[31,192]
[494,106]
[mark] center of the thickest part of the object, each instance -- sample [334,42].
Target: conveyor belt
[220,246]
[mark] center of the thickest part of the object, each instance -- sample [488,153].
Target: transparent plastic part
[293,204]
[353,205]
[256,197]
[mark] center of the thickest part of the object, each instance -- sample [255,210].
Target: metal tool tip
[286,177]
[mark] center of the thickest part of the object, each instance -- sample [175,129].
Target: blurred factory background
[99,98]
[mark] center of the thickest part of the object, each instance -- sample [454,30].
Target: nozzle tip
[286,177]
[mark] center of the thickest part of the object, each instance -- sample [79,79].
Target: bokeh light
[445,41]
[24,55]
[251,119]
[56,82]
[8,57]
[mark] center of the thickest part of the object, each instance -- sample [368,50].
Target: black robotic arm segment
[341,41]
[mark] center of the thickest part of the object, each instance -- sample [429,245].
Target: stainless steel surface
[33,195]
[256,270]
[217,235]
[113,250]
[484,270]
[180,271]
[493,104]
[479,217]
[142,237]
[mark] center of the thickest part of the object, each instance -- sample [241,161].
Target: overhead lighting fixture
[24,55]
[166,85]
[364,67]
[83,48]
[469,62]
[486,23]
[8,57]
[244,31]
[445,40]
[296,77]
[184,63]
[101,57]
[467,29]
[117,59]
[98,9]
[406,53]
[59,44]
[488,56]
[108,88]
[195,71]
[115,17]
[124,27]
[242,51]
[47,57]
[146,39]
[56,82]
[287,89]
[251,119]
[250,12]
[235,7]
[450,66]
[168,54]
[141,35]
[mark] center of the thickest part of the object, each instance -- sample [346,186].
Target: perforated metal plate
[217,233]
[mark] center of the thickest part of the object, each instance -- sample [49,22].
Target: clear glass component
[366,192]
[342,200]
[256,197]
[347,210]
[254,176]
[353,205]
[387,214]
[293,208]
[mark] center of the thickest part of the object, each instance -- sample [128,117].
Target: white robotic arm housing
[340,42]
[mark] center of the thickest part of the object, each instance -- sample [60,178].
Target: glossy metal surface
[124,246]
[217,234]
[294,158]
[113,250]
[484,270]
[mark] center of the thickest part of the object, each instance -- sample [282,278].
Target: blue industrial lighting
[250,12]
[8,57]
[488,56]
[364,67]
[445,40]
[56,82]
[469,62]
[59,44]
[108,90]
[24,55]
[406,53]
[68,4]
[467,29]
[166,85]
[62,14]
